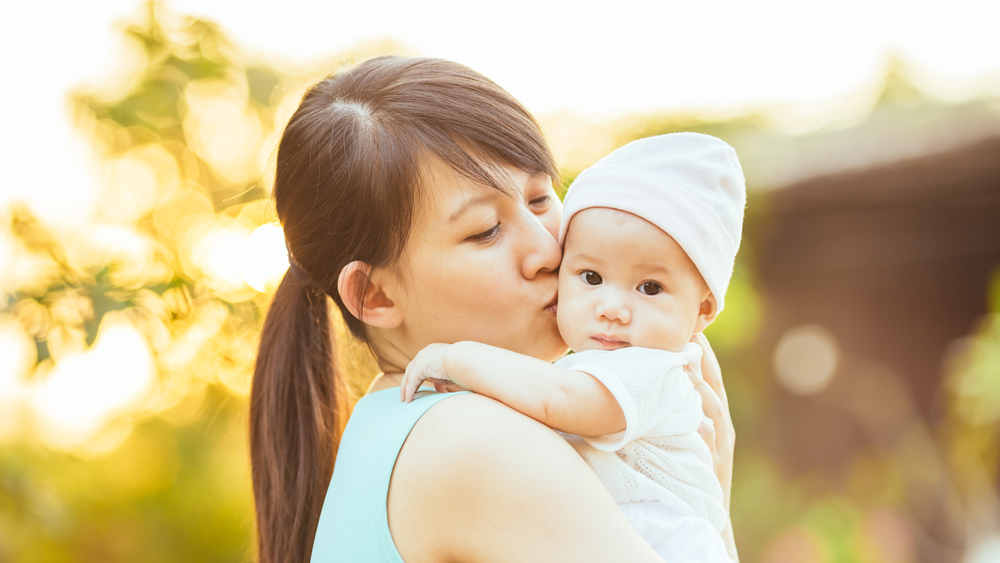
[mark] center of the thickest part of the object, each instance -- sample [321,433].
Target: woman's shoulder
[468,437]
[471,462]
[440,425]
[400,463]
[471,423]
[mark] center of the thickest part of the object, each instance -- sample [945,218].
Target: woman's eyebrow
[478,200]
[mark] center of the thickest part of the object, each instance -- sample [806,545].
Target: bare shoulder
[468,433]
[472,423]
[478,481]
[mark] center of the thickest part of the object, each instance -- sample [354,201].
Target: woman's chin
[538,340]
[557,349]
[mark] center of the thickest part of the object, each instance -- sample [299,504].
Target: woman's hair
[347,180]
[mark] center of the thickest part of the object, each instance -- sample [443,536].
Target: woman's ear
[707,312]
[371,295]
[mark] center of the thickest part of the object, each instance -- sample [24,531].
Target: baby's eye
[650,288]
[591,277]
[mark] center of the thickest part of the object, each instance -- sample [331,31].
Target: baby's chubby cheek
[667,334]
[571,319]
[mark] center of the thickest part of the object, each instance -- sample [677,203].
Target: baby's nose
[614,308]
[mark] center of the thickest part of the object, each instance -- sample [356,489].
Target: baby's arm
[568,401]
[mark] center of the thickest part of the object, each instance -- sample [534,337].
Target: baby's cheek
[570,322]
[564,322]
[665,333]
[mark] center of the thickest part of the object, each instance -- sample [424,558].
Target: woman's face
[482,265]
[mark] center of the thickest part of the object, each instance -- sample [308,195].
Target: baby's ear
[707,312]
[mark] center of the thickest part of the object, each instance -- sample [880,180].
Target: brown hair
[346,184]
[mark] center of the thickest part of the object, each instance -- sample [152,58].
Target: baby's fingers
[409,385]
[405,381]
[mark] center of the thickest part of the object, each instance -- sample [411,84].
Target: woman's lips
[609,342]
[551,307]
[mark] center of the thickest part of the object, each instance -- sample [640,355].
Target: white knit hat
[689,185]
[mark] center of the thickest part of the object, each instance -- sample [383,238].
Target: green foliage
[169,493]
[166,479]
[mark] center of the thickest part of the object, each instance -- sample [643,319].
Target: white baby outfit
[659,470]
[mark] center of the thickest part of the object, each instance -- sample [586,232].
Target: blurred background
[861,344]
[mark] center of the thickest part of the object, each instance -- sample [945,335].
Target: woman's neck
[384,381]
[391,352]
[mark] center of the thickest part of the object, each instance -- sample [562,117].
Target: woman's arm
[478,482]
[569,401]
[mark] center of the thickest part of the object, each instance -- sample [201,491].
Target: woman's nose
[544,254]
[612,307]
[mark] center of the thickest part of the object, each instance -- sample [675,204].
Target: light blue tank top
[353,525]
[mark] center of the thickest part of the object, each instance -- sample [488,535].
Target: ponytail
[296,403]
[347,180]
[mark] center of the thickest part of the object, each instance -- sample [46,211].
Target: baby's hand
[427,365]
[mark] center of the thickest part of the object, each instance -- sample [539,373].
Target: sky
[595,60]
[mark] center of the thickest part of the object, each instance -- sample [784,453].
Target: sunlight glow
[133,182]
[82,391]
[217,252]
[7,255]
[221,129]
[264,259]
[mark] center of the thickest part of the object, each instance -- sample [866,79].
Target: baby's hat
[689,185]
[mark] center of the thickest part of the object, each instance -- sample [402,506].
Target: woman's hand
[428,365]
[717,430]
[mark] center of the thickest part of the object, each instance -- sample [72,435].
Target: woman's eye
[650,288]
[591,277]
[485,235]
[540,201]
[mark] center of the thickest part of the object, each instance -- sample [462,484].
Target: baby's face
[624,282]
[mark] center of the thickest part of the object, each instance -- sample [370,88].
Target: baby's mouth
[609,342]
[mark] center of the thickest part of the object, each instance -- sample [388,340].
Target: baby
[650,234]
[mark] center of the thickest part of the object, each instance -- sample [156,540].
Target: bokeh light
[264,259]
[216,245]
[805,359]
[221,129]
[83,390]
[134,182]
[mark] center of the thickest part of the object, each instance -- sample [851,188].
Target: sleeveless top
[353,524]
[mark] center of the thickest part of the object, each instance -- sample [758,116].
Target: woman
[418,196]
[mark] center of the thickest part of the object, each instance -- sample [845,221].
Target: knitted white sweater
[659,456]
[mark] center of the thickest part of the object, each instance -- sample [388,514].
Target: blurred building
[874,249]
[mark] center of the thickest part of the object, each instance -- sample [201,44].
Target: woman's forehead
[447,191]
